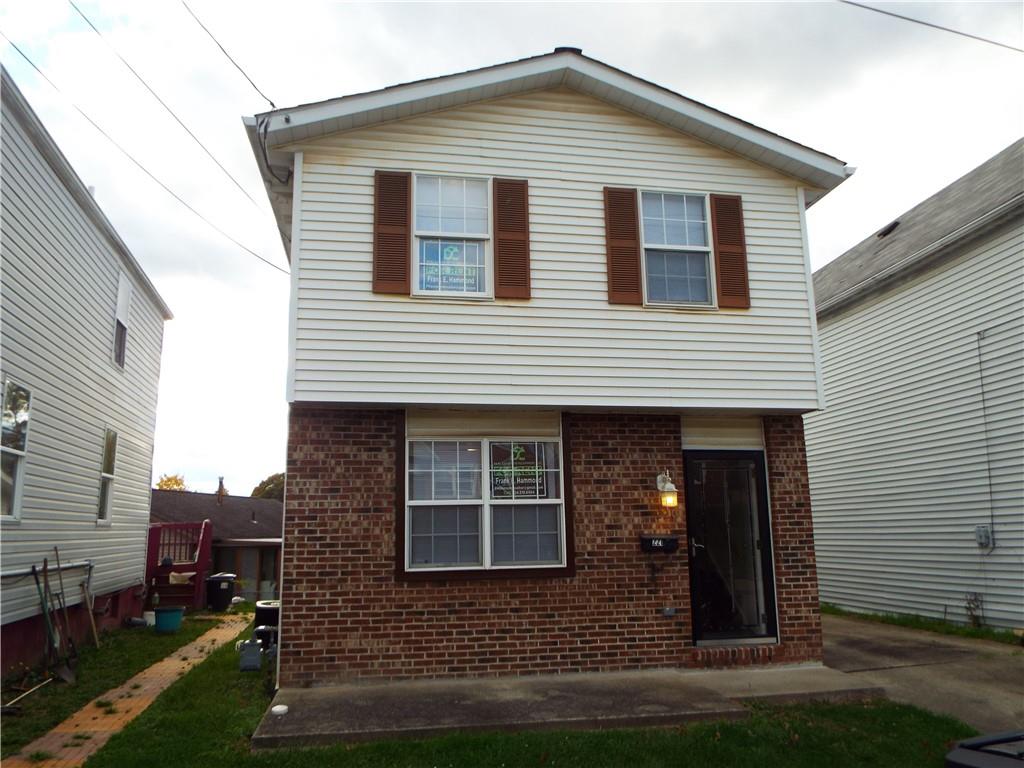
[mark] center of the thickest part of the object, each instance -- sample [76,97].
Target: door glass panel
[730,578]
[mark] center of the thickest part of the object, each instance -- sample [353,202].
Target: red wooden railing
[188,545]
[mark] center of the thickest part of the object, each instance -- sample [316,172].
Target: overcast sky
[913,108]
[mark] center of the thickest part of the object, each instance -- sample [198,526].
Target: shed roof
[237,517]
[271,133]
[981,198]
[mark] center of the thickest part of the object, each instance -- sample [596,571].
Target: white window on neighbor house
[124,305]
[678,268]
[107,476]
[484,504]
[452,237]
[13,448]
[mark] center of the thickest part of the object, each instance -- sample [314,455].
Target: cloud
[912,107]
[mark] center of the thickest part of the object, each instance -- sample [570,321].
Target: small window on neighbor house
[452,234]
[107,475]
[13,447]
[124,304]
[676,249]
[484,504]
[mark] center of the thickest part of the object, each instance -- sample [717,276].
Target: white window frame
[712,303]
[487,239]
[122,314]
[21,457]
[485,502]
[104,506]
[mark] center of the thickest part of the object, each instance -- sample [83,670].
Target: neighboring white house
[917,463]
[79,365]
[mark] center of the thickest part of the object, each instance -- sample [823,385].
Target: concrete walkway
[72,742]
[978,681]
[418,708]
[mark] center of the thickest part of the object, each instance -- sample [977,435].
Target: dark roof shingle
[238,517]
[990,185]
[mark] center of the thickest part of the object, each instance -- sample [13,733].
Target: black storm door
[731,583]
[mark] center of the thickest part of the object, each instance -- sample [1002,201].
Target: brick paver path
[72,742]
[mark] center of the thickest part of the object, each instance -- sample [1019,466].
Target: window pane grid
[522,528]
[674,220]
[680,277]
[452,266]
[445,535]
[448,205]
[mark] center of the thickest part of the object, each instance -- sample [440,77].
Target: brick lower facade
[346,616]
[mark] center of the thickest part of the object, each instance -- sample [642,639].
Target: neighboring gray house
[82,329]
[917,463]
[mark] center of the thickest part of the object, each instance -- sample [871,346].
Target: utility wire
[228,55]
[141,167]
[933,26]
[164,104]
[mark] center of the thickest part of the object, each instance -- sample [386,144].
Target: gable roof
[237,517]
[16,106]
[566,67]
[968,207]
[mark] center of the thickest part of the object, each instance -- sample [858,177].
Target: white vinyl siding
[566,346]
[898,460]
[60,299]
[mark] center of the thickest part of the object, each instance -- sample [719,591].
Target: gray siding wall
[899,460]
[59,296]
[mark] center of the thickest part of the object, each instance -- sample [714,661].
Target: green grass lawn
[929,625]
[206,719]
[122,654]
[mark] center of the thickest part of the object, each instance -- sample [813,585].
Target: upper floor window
[107,476]
[678,268]
[124,304]
[484,504]
[13,447]
[452,237]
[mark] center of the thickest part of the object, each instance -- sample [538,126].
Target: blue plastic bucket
[168,620]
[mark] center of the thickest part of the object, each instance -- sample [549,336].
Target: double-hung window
[678,268]
[107,476]
[452,237]
[484,504]
[13,447]
[124,303]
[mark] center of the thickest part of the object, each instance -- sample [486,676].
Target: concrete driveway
[977,681]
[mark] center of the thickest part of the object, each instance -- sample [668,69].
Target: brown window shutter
[392,231]
[511,239]
[730,252]
[622,236]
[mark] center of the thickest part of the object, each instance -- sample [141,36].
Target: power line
[164,104]
[141,167]
[933,26]
[228,55]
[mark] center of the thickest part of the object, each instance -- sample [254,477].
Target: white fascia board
[600,80]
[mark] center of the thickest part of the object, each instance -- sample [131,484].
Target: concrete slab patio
[978,681]
[419,708]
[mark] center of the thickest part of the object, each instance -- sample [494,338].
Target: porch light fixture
[669,495]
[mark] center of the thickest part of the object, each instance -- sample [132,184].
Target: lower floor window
[493,503]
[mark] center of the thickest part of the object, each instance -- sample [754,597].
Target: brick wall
[346,616]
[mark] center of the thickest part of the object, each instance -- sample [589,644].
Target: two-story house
[538,311]
[82,328]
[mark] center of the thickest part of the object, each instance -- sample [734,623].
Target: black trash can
[220,588]
[268,613]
